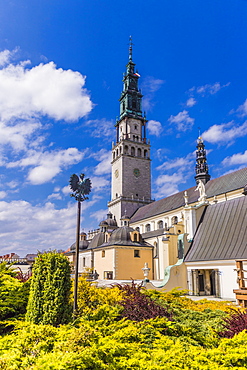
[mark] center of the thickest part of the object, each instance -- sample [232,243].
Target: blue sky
[61,66]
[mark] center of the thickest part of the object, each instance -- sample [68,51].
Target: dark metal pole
[77,258]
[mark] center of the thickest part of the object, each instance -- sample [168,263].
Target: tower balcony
[133,199]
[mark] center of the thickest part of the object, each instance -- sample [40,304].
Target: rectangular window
[103,254]
[84,262]
[108,275]
[136,253]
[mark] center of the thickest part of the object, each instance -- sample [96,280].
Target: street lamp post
[81,188]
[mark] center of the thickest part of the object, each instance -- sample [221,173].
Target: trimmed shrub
[49,299]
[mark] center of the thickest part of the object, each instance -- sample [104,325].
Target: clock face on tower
[136,172]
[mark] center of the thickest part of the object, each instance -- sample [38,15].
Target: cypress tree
[49,298]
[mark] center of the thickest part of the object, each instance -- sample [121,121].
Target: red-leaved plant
[139,307]
[234,324]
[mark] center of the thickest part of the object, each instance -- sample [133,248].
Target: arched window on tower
[133,152]
[126,149]
[139,152]
[117,152]
[145,153]
[113,155]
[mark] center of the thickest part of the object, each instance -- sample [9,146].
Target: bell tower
[201,162]
[131,179]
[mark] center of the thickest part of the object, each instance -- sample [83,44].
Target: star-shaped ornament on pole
[81,187]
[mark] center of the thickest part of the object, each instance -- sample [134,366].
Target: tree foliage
[13,293]
[49,299]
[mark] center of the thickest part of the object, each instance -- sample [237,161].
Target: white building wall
[227,275]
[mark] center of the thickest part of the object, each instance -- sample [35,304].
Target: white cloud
[104,167]
[226,132]
[37,227]
[154,127]
[12,184]
[182,121]
[66,190]
[242,109]
[149,86]
[3,194]
[168,184]
[42,90]
[181,163]
[191,102]
[47,164]
[54,196]
[173,173]
[101,128]
[5,56]
[209,88]
[17,134]
[99,183]
[236,159]
[100,214]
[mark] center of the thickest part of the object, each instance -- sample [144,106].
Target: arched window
[174,220]
[135,237]
[147,228]
[139,152]
[133,152]
[113,155]
[160,225]
[145,153]
[166,227]
[117,152]
[126,149]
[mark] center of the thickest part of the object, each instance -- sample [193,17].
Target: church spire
[201,162]
[131,97]
[130,49]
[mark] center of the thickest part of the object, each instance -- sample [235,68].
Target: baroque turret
[201,163]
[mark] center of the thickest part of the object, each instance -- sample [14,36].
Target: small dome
[97,240]
[83,244]
[111,221]
[103,223]
[121,235]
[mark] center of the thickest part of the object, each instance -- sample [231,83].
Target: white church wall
[226,273]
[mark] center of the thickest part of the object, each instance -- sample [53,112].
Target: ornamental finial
[130,48]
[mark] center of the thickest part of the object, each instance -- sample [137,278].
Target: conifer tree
[50,290]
